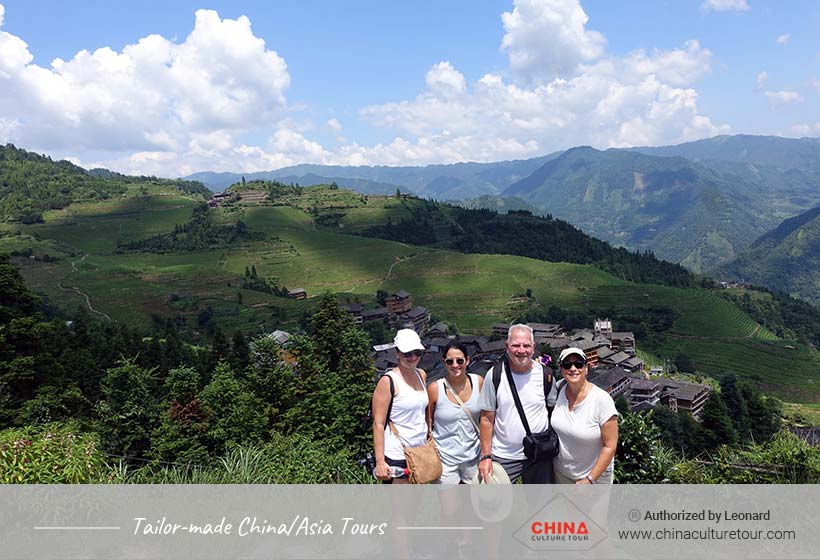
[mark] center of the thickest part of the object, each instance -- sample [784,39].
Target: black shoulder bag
[540,447]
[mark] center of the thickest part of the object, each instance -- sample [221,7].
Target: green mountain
[786,258]
[774,151]
[682,211]
[443,182]
[31,184]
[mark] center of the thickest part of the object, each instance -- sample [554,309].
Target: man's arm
[485,465]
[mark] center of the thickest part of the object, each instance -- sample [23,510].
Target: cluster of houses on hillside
[398,312]
[249,196]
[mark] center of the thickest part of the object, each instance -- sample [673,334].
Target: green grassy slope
[471,290]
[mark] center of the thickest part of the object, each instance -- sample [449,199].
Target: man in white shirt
[502,431]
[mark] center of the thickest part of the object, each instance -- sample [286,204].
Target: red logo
[559,528]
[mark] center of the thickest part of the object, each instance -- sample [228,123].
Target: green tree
[233,415]
[272,380]
[690,433]
[220,349]
[765,413]
[181,430]
[668,422]
[683,363]
[335,375]
[240,353]
[735,405]
[127,413]
[717,428]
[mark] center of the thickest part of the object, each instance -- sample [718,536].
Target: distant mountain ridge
[776,151]
[786,258]
[443,182]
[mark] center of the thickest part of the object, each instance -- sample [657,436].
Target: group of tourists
[516,422]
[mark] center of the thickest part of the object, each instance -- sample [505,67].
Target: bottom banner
[593,521]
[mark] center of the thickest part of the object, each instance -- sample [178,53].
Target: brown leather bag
[423,462]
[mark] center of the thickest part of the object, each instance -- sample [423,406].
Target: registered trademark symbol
[634,515]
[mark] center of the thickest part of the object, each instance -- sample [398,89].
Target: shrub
[50,454]
[293,459]
[639,448]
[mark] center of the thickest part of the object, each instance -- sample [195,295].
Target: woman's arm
[609,438]
[381,400]
[432,396]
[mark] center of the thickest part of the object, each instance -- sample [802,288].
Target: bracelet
[591,480]
[483,457]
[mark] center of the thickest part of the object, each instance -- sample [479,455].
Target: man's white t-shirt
[508,431]
[579,431]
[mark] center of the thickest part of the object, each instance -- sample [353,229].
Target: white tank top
[408,415]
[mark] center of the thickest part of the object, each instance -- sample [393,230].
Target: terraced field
[702,314]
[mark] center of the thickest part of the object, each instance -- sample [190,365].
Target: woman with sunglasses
[406,407]
[454,414]
[586,422]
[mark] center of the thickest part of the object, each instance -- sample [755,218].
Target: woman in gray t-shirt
[454,429]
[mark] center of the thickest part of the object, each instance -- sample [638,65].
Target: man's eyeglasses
[566,364]
[412,353]
[459,361]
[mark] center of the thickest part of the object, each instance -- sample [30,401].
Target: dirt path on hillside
[383,278]
[85,295]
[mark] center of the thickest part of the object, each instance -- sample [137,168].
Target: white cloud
[548,38]
[761,79]
[568,95]
[816,83]
[724,6]
[334,125]
[783,96]
[783,39]
[676,67]
[445,79]
[153,96]
[635,100]
[805,129]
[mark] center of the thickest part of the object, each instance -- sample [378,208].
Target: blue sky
[176,87]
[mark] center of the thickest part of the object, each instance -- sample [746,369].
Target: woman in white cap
[402,403]
[454,414]
[586,421]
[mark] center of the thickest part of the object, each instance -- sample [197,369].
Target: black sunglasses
[459,361]
[566,364]
[411,353]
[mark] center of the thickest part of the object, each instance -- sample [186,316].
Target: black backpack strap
[517,400]
[496,371]
[557,394]
[392,394]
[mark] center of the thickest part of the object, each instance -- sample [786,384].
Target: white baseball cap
[408,340]
[569,352]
